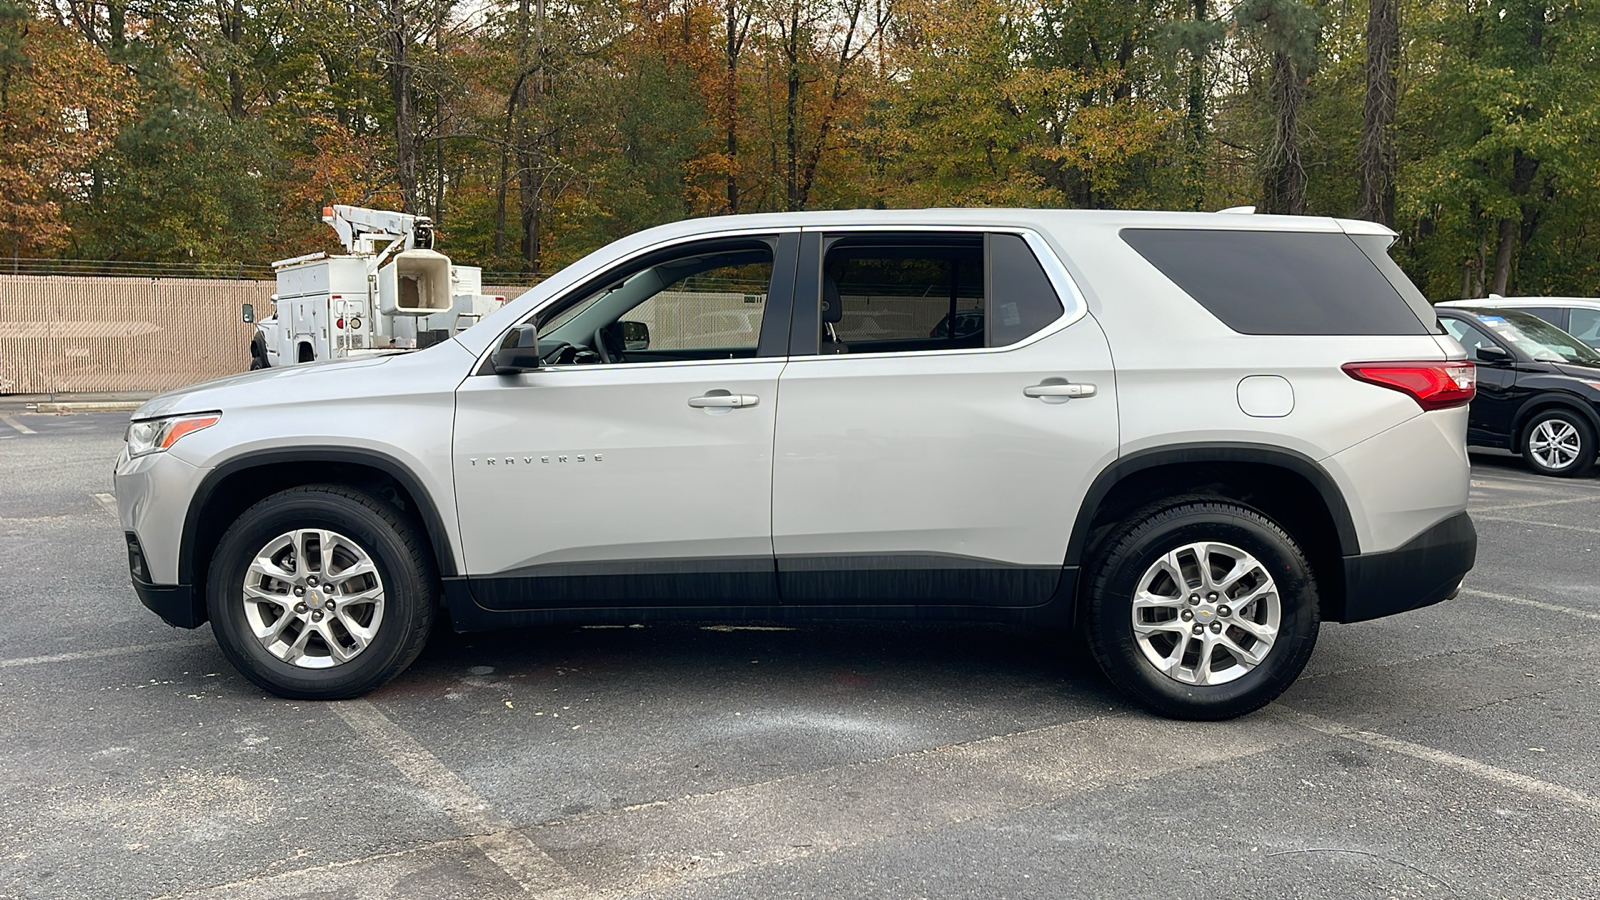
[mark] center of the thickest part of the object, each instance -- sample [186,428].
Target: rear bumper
[1423,571]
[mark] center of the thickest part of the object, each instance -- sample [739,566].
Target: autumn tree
[61,103]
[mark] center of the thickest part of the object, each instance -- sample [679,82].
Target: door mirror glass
[519,352]
[249,313]
[635,335]
[1491,354]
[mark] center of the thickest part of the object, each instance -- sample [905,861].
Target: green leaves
[539,129]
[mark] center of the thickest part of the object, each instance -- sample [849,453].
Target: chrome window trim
[1074,306]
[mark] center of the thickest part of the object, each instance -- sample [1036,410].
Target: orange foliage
[58,110]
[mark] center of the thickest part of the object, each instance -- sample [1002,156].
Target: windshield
[1537,338]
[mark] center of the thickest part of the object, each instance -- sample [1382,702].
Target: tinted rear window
[1279,282]
[1020,294]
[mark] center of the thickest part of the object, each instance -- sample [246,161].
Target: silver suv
[1192,437]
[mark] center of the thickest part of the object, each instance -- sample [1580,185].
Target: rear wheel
[1559,442]
[320,593]
[1203,610]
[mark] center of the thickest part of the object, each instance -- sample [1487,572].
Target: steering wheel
[607,345]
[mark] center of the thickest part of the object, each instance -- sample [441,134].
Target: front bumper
[176,603]
[1421,572]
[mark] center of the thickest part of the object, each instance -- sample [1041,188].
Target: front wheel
[1559,442]
[320,593]
[1204,610]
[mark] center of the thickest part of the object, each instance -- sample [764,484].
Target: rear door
[945,406]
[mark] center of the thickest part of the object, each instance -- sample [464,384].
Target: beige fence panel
[61,334]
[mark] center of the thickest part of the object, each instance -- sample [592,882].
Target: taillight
[1434,385]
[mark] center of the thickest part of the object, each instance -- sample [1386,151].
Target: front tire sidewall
[407,596]
[1110,619]
[1586,447]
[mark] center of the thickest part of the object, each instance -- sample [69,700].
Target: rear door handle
[1059,389]
[724,400]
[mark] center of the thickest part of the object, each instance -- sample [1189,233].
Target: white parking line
[108,503]
[1536,604]
[1492,774]
[1532,503]
[97,654]
[21,428]
[1584,528]
[493,834]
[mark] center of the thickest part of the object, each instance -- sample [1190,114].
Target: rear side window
[1556,317]
[1279,282]
[931,291]
[1585,326]
[1020,294]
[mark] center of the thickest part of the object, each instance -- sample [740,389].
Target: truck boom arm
[359,227]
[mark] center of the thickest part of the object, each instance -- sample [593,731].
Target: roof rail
[1237,211]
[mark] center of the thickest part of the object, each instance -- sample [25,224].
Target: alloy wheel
[1206,613]
[313,598]
[1555,443]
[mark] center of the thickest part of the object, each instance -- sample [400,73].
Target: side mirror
[519,352]
[635,335]
[1492,355]
[249,313]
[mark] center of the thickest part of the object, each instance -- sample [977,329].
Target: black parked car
[1538,388]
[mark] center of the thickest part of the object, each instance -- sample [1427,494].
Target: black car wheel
[1559,442]
[321,593]
[1202,610]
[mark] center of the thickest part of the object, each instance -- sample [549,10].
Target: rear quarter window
[1280,282]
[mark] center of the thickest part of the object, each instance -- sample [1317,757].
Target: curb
[88,406]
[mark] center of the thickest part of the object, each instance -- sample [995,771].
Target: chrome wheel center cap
[1205,612]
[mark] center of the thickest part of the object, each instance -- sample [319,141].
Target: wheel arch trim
[1545,400]
[1214,452]
[438,537]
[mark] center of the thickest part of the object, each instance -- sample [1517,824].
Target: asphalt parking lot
[1448,752]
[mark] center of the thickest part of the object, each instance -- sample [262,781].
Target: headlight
[156,435]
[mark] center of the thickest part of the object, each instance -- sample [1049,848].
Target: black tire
[1560,420]
[1137,546]
[401,562]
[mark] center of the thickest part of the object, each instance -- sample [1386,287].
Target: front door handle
[724,400]
[1061,389]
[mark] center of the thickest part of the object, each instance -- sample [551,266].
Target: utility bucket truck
[392,291]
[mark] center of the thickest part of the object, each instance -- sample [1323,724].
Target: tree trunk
[1502,256]
[1197,116]
[1523,169]
[1377,115]
[1285,188]
[405,158]
[530,146]
[1478,283]
[737,31]
[791,119]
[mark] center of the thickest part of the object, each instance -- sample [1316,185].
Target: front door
[942,418]
[635,469]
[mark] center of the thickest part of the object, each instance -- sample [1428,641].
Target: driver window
[715,309]
[707,303]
